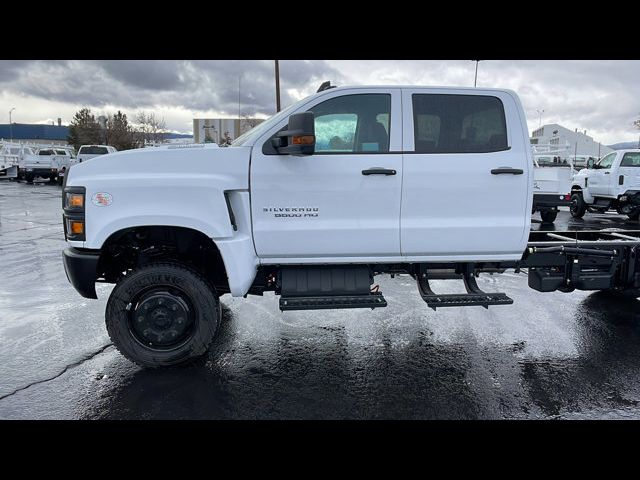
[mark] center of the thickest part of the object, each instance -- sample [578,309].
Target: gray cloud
[194,85]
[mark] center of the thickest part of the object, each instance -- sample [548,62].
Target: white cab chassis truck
[312,204]
[611,183]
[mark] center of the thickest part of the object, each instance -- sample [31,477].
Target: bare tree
[151,129]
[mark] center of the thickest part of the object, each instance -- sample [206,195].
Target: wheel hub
[161,319]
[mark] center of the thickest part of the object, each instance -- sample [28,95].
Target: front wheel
[578,207]
[548,216]
[162,314]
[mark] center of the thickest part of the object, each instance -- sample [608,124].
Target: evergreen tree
[84,129]
[119,133]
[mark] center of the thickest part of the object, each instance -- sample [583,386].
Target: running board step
[373,300]
[473,297]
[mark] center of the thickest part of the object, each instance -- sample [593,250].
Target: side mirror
[299,139]
[590,163]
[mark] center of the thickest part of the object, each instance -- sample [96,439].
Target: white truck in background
[552,175]
[87,152]
[39,163]
[62,161]
[611,183]
[9,159]
[312,204]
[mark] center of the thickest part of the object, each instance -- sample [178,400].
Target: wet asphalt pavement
[551,355]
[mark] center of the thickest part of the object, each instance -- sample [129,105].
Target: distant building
[581,143]
[35,133]
[215,130]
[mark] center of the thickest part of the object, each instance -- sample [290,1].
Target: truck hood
[197,160]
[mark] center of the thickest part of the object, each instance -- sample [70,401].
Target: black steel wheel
[578,208]
[548,216]
[162,314]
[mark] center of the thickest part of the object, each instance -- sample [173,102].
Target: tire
[29,177]
[628,293]
[548,216]
[154,290]
[634,216]
[578,207]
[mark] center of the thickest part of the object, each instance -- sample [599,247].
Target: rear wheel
[162,314]
[548,216]
[578,207]
[628,293]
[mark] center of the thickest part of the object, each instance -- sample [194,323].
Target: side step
[473,297]
[372,300]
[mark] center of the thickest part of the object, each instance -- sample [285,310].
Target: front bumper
[549,200]
[81,267]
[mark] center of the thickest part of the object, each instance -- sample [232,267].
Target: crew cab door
[467,181]
[600,183]
[343,201]
[628,175]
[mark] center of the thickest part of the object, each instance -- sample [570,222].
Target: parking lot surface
[551,355]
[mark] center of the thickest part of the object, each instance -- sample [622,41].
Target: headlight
[73,202]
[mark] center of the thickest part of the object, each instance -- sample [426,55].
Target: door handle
[503,170]
[379,171]
[607,173]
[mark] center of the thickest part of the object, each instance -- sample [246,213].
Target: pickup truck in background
[312,204]
[43,164]
[62,161]
[86,152]
[552,178]
[611,183]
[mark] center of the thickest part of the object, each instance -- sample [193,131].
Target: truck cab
[611,183]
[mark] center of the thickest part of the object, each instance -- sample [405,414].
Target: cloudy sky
[602,97]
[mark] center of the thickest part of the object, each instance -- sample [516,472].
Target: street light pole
[10,125]
[277,86]
[540,112]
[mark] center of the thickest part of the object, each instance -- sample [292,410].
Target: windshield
[266,125]
[93,151]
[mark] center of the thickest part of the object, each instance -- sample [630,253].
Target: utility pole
[540,112]
[277,86]
[475,80]
[10,124]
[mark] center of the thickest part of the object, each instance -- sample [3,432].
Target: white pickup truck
[611,183]
[87,152]
[312,204]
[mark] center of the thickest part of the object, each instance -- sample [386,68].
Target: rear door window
[445,123]
[631,160]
